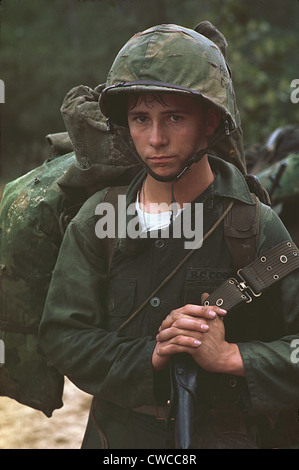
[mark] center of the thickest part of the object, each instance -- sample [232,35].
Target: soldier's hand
[198,331]
[183,330]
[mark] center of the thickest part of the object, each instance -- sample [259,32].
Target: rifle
[184,384]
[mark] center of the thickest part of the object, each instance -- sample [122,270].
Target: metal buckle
[243,286]
[166,418]
[160,418]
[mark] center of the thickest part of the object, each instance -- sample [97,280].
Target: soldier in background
[276,164]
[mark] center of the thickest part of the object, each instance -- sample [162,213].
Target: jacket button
[159,243]
[232,383]
[155,302]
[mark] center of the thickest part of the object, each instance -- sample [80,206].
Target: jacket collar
[228,183]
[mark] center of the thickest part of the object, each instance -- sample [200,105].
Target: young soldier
[172,88]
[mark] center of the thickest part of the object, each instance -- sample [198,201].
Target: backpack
[31,219]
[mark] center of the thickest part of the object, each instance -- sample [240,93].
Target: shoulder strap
[252,280]
[112,197]
[241,232]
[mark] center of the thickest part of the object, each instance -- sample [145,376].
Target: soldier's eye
[176,118]
[140,119]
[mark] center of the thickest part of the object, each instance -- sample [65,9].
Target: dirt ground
[22,427]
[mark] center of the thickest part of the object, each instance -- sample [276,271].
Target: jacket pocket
[120,301]
[201,280]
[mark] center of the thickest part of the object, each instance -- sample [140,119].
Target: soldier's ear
[213,117]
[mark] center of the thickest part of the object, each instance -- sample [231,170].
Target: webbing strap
[273,265]
[262,273]
[109,243]
[241,232]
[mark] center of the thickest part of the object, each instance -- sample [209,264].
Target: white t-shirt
[153,221]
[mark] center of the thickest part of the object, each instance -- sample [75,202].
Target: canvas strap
[241,232]
[111,196]
[253,279]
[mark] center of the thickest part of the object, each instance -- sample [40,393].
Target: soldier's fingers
[191,323]
[201,311]
[191,310]
[188,328]
[178,344]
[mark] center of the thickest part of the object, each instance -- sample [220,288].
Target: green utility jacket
[84,310]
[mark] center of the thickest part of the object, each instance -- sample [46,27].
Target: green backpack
[29,242]
[34,212]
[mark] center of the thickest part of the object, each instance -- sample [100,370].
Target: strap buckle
[243,286]
[161,413]
[256,277]
[233,292]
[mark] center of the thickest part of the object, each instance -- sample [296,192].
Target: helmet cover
[168,59]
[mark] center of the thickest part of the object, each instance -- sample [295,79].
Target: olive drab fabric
[281,180]
[231,147]
[60,143]
[170,58]
[282,142]
[34,212]
[29,242]
[276,165]
[103,158]
[288,187]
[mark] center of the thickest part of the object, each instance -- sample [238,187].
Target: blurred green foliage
[50,46]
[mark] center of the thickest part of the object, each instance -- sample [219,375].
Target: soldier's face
[168,129]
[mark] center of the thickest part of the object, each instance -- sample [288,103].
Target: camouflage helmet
[169,59]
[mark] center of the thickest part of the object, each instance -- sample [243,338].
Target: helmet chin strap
[173,179]
[168,179]
[195,158]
